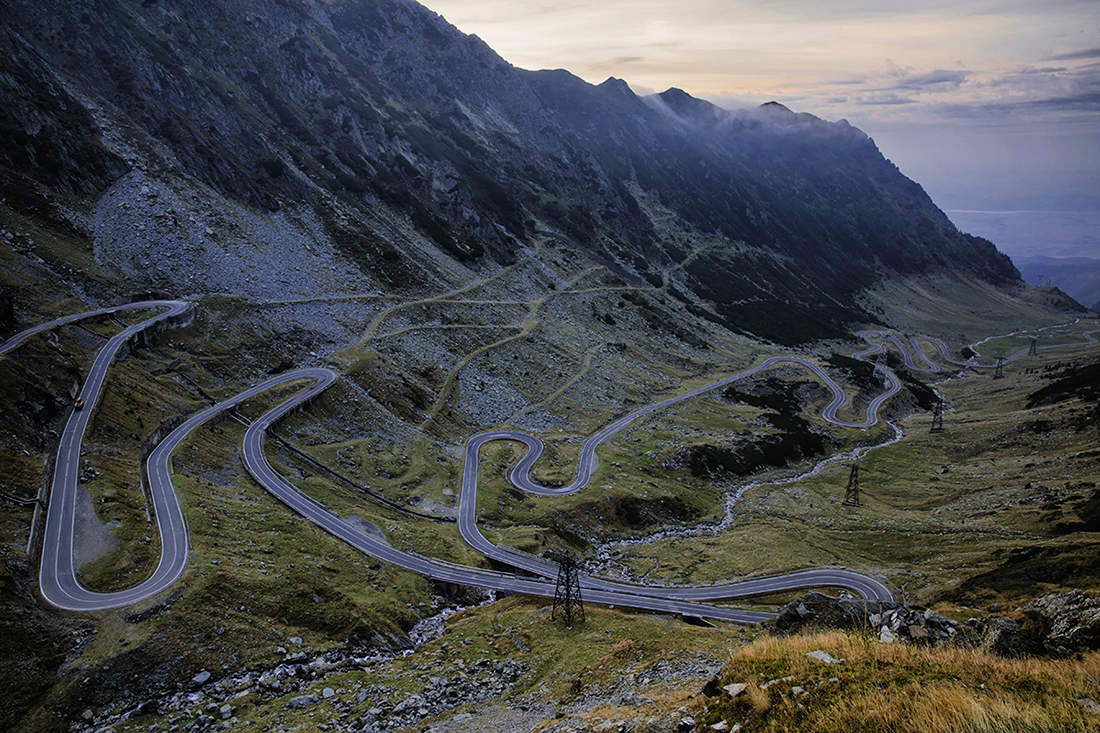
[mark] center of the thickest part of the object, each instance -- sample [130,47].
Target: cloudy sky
[992,105]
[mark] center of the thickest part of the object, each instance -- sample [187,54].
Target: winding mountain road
[520,477]
[57,574]
[945,354]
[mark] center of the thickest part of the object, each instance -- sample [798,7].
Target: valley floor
[997,509]
[1033,423]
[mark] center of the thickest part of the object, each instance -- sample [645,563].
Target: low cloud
[1020,94]
[938,78]
[1030,92]
[1084,102]
[1041,70]
[884,99]
[1091,53]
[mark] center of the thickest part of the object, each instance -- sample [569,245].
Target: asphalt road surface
[57,576]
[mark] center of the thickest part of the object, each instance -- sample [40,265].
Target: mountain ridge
[380,103]
[472,247]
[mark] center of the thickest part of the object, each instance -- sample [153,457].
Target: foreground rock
[1002,636]
[1057,624]
[1071,621]
[890,622]
[824,657]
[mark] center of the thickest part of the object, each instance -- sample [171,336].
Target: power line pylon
[937,418]
[880,367]
[851,494]
[567,594]
[1033,350]
[1000,372]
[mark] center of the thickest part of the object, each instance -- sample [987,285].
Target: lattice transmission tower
[937,418]
[851,494]
[567,594]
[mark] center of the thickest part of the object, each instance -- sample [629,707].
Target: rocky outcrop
[1057,624]
[298,683]
[817,610]
[1001,636]
[1071,621]
[889,622]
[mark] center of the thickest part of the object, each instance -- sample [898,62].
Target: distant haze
[994,107]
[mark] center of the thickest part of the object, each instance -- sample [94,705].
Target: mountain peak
[674,93]
[617,85]
[776,107]
[690,108]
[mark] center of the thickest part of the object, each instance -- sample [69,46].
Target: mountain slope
[1079,277]
[343,110]
[358,185]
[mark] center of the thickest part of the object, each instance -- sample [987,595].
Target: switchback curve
[57,575]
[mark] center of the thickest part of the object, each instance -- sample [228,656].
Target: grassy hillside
[557,344]
[897,687]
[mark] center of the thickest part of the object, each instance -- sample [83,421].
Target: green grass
[1066,335]
[948,305]
[937,508]
[637,486]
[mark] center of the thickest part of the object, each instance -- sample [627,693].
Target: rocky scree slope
[361,108]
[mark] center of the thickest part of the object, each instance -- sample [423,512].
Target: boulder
[1003,637]
[1069,622]
[817,610]
[735,689]
[303,701]
[893,621]
[713,687]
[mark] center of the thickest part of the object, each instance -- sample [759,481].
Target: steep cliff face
[350,107]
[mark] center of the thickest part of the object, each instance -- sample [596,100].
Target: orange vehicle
[78,404]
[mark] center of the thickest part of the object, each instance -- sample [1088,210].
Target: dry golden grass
[896,687]
[621,649]
[757,698]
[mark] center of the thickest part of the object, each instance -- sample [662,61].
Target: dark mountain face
[374,103]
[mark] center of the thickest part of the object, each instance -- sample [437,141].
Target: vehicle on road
[78,404]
